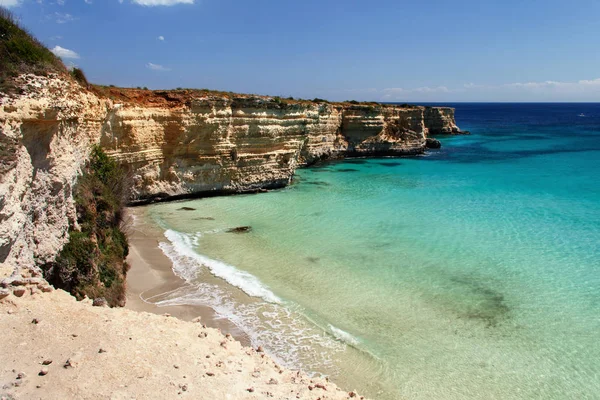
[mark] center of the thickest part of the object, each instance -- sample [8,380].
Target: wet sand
[151,275]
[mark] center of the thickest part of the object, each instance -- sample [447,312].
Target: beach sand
[151,274]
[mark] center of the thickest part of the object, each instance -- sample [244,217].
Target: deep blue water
[472,272]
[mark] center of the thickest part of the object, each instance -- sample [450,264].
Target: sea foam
[187,263]
[281,329]
[343,336]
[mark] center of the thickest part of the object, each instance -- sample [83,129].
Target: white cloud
[61,18]
[161,38]
[156,67]
[64,53]
[153,3]
[10,3]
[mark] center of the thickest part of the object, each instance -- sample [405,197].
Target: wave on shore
[180,251]
[282,329]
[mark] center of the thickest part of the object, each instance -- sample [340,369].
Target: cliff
[193,143]
[173,143]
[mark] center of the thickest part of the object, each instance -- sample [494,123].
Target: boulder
[432,143]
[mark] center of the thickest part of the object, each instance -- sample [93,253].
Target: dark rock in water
[432,143]
[203,218]
[317,183]
[187,209]
[240,229]
[389,164]
[313,259]
[355,161]
[346,170]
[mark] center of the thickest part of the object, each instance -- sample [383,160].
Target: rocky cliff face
[208,144]
[173,144]
[46,135]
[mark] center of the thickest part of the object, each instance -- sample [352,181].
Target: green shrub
[80,77]
[93,263]
[21,53]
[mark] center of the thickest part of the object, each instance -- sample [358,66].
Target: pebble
[43,371]
[176,366]
[101,351]
[35,321]
[4,293]
[210,374]
[46,362]
[45,288]
[21,375]
[259,349]
[250,390]
[20,291]
[100,302]
[73,361]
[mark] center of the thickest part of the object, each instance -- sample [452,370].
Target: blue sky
[413,51]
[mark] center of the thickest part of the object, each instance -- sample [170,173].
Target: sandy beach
[151,274]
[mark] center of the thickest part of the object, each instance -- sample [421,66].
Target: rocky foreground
[54,347]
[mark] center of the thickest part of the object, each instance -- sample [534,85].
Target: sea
[469,272]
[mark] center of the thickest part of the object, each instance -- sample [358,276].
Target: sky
[396,51]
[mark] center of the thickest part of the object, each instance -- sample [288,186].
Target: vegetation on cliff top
[22,53]
[93,263]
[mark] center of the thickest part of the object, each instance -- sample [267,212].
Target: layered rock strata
[215,145]
[173,143]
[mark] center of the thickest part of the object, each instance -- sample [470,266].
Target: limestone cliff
[206,144]
[46,137]
[173,143]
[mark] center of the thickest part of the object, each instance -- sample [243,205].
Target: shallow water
[471,272]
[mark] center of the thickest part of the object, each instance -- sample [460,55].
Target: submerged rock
[432,143]
[240,229]
[187,209]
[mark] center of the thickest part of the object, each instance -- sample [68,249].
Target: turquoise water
[472,272]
